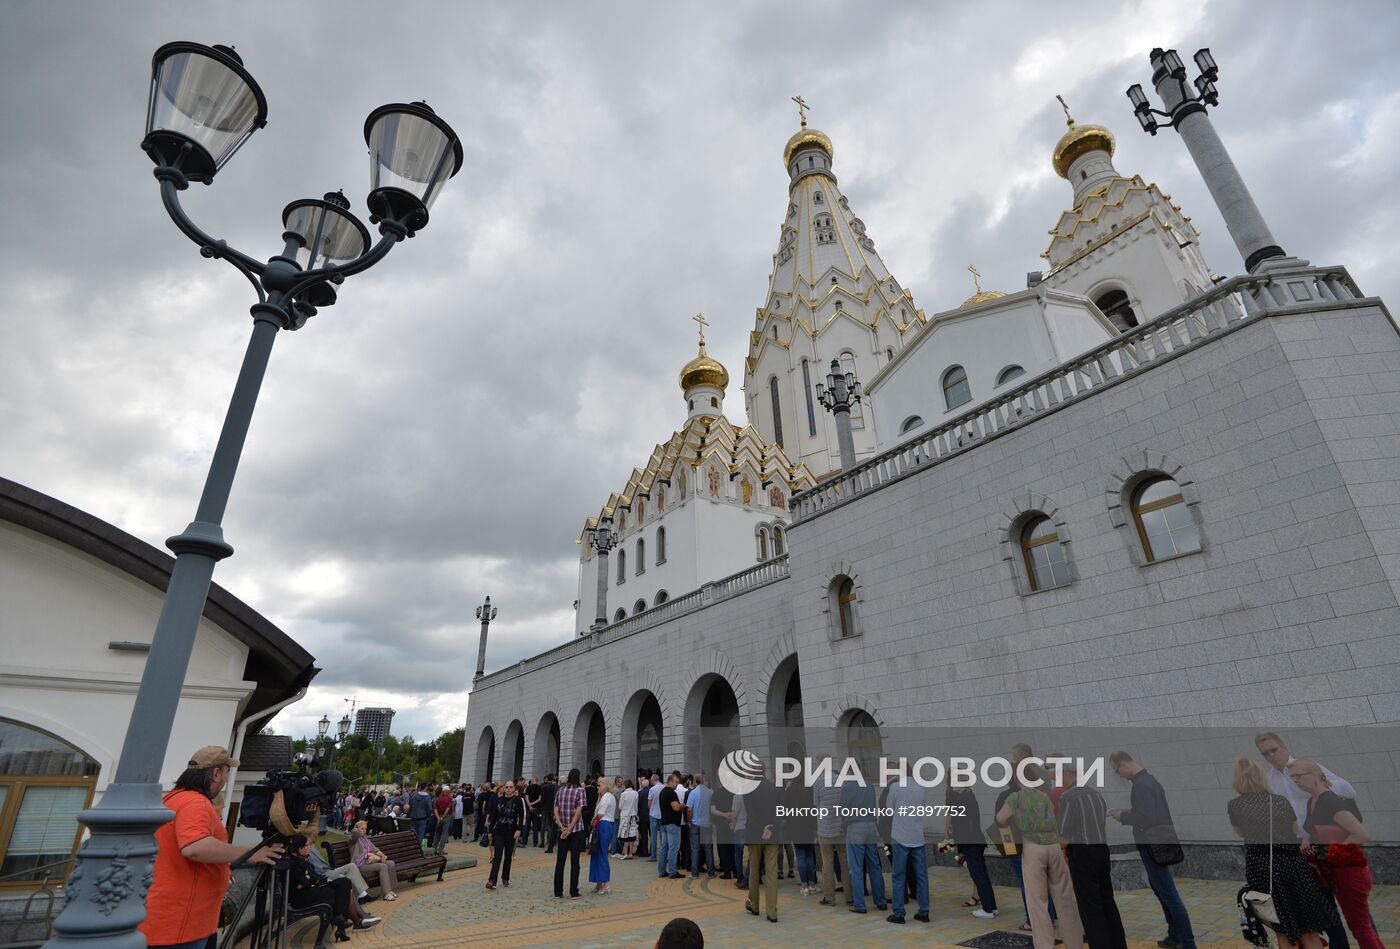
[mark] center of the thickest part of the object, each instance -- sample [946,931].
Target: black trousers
[503,844]
[1090,872]
[335,893]
[643,832]
[570,848]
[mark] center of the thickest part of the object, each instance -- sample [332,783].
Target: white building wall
[1035,329]
[59,609]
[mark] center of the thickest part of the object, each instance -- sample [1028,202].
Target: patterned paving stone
[460,912]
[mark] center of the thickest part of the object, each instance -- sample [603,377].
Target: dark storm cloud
[442,433]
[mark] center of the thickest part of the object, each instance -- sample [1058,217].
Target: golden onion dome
[704,371]
[1078,141]
[982,296]
[803,138]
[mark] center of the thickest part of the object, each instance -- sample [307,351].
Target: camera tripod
[269,895]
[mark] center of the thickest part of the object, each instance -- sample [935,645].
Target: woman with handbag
[1333,835]
[604,824]
[1282,892]
[373,862]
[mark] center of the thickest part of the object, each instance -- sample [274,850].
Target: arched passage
[642,735]
[514,759]
[485,756]
[590,740]
[711,723]
[786,728]
[547,745]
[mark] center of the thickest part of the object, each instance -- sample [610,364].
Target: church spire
[704,379]
[830,296]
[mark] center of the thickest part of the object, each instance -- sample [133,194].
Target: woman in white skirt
[627,819]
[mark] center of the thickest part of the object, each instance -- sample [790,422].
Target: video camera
[284,800]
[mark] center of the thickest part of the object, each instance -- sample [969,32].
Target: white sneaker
[983,914]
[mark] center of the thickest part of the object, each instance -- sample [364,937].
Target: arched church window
[889,354]
[838,304]
[807,388]
[956,390]
[1116,306]
[762,544]
[1163,521]
[911,423]
[641,556]
[44,784]
[661,597]
[842,604]
[660,545]
[773,331]
[833,281]
[817,198]
[692,403]
[1009,373]
[777,411]
[639,607]
[779,542]
[621,566]
[848,364]
[620,615]
[1044,555]
[714,402]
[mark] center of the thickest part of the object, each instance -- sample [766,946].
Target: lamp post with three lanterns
[838,395]
[204,105]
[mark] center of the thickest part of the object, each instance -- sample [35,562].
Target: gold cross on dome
[802,108]
[1069,119]
[700,319]
[976,277]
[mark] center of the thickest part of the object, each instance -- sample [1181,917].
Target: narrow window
[956,391]
[774,332]
[843,596]
[661,545]
[621,566]
[1044,556]
[807,388]
[889,354]
[779,542]
[1163,522]
[848,364]
[777,411]
[641,556]
[762,544]
[1009,373]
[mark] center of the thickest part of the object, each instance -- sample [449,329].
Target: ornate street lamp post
[485,613]
[838,395]
[603,540]
[1187,114]
[203,106]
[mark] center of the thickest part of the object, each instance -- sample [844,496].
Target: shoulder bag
[1163,846]
[1261,905]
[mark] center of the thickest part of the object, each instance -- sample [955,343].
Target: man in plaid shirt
[569,802]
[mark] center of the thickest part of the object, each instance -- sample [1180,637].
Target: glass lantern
[204,105]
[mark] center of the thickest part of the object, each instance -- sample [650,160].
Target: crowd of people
[1302,831]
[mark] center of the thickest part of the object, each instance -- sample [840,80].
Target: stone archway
[711,723]
[485,756]
[547,745]
[786,726]
[590,740]
[513,761]
[643,735]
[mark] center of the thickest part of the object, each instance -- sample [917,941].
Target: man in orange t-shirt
[192,858]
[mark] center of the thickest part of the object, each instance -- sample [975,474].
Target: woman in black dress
[1304,909]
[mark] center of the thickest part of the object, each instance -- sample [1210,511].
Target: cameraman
[191,872]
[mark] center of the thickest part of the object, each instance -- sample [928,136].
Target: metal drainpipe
[241,731]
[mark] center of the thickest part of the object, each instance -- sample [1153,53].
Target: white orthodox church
[712,500]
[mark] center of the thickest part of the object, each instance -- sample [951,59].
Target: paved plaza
[460,912]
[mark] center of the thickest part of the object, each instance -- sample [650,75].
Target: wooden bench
[401,847]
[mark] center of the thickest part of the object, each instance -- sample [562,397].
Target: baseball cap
[211,756]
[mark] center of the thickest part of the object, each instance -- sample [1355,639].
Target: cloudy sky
[441,433]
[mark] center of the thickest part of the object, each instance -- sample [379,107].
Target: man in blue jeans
[420,806]
[1149,810]
[862,852]
[909,802]
[654,812]
[697,806]
[669,828]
